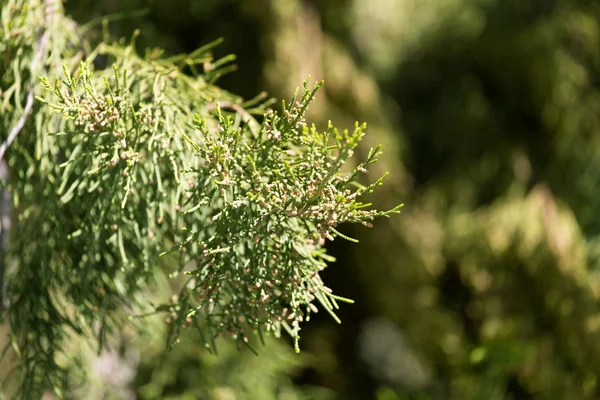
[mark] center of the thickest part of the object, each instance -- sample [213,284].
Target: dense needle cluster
[139,169]
[271,200]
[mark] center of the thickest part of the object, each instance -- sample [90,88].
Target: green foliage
[136,365]
[491,276]
[115,166]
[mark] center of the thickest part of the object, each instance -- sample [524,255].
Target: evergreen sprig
[270,201]
[139,168]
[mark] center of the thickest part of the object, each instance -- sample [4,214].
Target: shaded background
[487,286]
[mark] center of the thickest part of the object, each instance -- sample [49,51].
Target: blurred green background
[487,286]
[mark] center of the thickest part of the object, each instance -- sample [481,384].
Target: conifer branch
[140,169]
[37,60]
